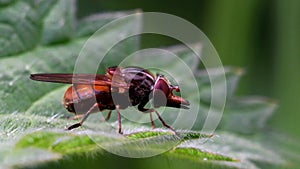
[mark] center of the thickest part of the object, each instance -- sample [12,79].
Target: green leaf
[45,36]
[58,24]
[248,115]
[91,24]
[19,28]
[205,81]
[247,151]
[232,75]
[286,145]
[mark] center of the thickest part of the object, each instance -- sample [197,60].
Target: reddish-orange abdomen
[79,98]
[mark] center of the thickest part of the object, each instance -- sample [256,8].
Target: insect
[118,89]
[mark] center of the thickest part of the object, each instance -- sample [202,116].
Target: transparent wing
[99,79]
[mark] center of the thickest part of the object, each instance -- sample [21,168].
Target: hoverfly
[118,89]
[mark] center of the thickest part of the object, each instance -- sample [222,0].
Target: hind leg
[85,116]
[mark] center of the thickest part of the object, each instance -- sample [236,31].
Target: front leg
[144,110]
[141,107]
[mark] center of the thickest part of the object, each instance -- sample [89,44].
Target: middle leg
[119,119]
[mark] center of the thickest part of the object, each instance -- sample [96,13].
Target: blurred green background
[261,36]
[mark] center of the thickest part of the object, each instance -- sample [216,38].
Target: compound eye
[159,98]
[162,85]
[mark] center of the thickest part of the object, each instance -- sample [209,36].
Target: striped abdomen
[80,98]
